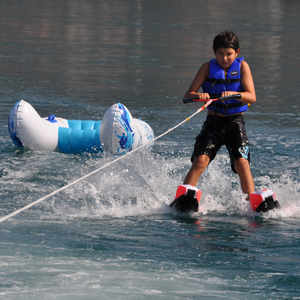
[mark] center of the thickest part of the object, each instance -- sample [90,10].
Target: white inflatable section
[120,132]
[146,133]
[33,131]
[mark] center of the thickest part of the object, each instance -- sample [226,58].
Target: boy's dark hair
[226,39]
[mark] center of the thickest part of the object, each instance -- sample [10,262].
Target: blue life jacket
[216,83]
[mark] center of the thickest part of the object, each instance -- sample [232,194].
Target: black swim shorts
[218,131]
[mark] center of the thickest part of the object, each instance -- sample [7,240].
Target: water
[112,236]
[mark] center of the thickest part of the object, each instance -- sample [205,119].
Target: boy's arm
[248,96]
[192,92]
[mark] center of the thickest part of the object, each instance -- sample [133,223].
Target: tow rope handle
[235,96]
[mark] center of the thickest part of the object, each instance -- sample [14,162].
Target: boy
[223,76]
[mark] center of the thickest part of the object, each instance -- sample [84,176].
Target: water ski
[263,201]
[187,199]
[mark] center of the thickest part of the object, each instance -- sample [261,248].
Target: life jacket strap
[225,106]
[223,81]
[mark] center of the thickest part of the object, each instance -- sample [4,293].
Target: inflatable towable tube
[118,132]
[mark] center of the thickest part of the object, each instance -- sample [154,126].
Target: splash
[146,183]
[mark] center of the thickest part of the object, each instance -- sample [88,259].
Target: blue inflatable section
[81,136]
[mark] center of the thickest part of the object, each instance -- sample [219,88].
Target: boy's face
[226,56]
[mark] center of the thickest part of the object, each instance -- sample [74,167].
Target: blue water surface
[113,235]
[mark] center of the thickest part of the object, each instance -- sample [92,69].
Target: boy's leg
[200,163]
[242,167]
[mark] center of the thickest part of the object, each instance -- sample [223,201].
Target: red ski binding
[187,199]
[263,201]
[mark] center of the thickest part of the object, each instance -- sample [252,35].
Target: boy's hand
[228,93]
[203,96]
